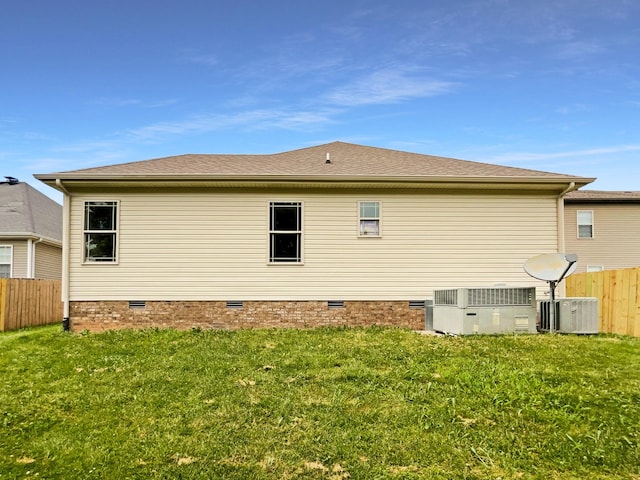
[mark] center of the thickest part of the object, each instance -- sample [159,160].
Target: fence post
[3,297]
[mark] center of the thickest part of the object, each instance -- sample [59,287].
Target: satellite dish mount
[552,268]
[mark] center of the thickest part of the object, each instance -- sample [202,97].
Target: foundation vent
[137,304]
[335,304]
[234,304]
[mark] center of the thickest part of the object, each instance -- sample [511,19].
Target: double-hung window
[100,231]
[585,223]
[6,260]
[369,219]
[285,232]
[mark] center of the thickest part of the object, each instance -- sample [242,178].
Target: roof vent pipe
[328,160]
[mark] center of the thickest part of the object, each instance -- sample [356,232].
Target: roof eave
[602,200]
[52,179]
[30,236]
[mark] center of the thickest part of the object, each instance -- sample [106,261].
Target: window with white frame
[285,232]
[585,223]
[100,231]
[6,260]
[369,219]
[595,268]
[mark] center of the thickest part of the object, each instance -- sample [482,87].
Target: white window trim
[301,232]
[83,260]
[10,259]
[592,224]
[378,218]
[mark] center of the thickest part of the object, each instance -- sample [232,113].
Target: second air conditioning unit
[495,310]
[571,315]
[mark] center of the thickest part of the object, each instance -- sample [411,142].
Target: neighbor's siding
[48,261]
[213,246]
[19,267]
[616,231]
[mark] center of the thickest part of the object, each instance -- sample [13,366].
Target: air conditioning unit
[496,310]
[572,315]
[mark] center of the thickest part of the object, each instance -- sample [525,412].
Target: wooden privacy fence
[27,302]
[618,293]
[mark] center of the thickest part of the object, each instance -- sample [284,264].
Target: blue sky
[551,85]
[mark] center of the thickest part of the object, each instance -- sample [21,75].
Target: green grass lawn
[318,404]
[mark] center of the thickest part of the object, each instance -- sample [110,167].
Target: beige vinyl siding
[19,267]
[48,261]
[214,245]
[616,233]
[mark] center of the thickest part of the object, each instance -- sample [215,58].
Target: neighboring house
[603,229]
[328,235]
[30,232]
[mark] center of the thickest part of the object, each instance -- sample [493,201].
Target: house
[603,228]
[335,234]
[30,232]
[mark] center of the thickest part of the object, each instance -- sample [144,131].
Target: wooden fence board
[3,290]
[28,302]
[618,293]
[635,305]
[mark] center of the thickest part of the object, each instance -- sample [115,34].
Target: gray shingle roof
[24,211]
[347,160]
[603,196]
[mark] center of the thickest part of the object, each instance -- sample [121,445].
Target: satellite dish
[551,267]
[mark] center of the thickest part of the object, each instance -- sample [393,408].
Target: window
[595,268]
[285,232]
[100,231]
[6,260]
[585,224]
[369,219]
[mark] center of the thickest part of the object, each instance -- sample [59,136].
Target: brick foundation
[99,316]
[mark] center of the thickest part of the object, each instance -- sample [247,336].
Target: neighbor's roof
[347,161]
[26,212]
[602,196]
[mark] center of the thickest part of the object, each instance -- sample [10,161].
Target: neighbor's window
[585,223]
[595,268]
[285,232]
[100,231]
[369,219]
[6,260]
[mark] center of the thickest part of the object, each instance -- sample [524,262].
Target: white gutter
[66,215]
[32,236]
[278,177]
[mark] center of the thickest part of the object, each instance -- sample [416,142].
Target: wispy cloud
[388,86]
[530,156]
[192,56]
[255,119]
[579,49]
[132,102]
[574,108]
[85,146]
